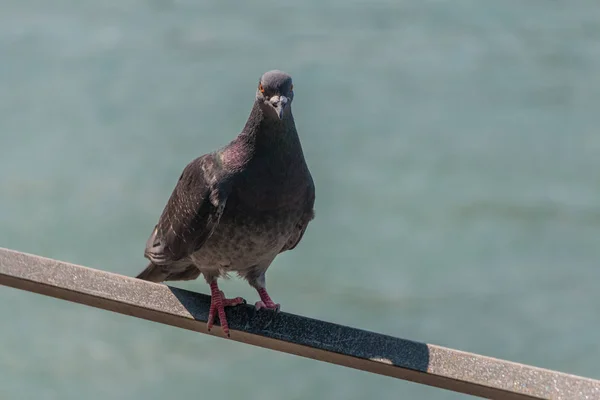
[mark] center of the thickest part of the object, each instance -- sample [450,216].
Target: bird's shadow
[243,317]
[312,333]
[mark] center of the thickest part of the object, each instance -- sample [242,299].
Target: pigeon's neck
[267,129]
[266,138]
[267,164]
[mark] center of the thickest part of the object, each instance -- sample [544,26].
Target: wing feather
[191,214]
[308,216]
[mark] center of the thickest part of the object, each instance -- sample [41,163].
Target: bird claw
[268,306]
[233,302]
[218,302]
[265,301]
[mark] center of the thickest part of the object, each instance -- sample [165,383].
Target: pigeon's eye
[261,88]
[292,87]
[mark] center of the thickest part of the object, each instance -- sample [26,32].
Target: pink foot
[218,302]
[265,301]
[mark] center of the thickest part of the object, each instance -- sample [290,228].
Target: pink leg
[218,302]
[266,301]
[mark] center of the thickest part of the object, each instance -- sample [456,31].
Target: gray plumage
[237,208]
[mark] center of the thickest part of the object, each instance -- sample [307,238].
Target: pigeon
[235,209]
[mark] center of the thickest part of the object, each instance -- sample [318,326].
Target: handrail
[376,353]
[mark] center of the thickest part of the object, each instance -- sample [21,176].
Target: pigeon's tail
[153,273]
[158,273]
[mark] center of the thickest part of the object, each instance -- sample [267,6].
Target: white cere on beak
[279,99]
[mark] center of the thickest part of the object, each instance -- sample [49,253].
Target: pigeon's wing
[191,214]
[308,216]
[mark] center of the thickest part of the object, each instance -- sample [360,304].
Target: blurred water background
[454,145]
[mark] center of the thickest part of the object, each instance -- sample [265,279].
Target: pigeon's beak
[279,103]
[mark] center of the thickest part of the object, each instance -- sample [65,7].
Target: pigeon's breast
[243,238]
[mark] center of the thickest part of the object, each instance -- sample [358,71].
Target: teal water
[454,145]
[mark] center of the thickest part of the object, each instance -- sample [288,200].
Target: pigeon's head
[275,92]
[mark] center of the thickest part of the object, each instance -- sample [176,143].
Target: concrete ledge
[399,358]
